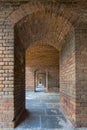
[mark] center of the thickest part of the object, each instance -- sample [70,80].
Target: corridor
[43,42]
[43,112]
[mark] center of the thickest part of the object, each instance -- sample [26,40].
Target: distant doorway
[40,81]
[40,88]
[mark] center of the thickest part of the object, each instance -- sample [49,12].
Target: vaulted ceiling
[51,24]
[44,28]
[42,55]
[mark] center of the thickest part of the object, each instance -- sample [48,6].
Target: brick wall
[54,29]
[81,75]
[19,79]
[53,80]
[46,58]
[6,73]
[68,77]
[29,79]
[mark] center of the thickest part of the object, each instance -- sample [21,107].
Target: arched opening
[40,80]
[43,27]
[53,24]
[42,59]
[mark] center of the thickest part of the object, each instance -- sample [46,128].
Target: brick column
[34,81]
[73,76]
[81,75]
[19,78]
[6,75]
[68,78]
[46,81]
[12,77]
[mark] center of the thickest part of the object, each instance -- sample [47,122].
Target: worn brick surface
[52,24]
[81,74]
[68,77]
[6,73]
[53,77]
[42,57]
[19,79]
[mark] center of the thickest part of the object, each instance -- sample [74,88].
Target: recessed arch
[20,16]
[40,77]
[47,29]
[54,30]
[42,57]
[13,59]
[53,8]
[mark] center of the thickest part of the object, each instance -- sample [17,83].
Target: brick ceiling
[42,55]
[43,28]
[50,25]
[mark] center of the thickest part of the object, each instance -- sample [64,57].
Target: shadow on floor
[43,113]
[25,115]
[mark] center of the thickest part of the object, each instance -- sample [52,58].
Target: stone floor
[43,113]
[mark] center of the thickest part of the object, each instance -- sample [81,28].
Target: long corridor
[43,112]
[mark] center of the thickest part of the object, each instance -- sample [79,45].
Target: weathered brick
[81,73]
[43,26]
[68,77]
[48,64]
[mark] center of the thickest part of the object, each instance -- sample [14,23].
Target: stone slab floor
[43,113]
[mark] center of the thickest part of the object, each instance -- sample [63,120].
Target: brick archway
[11,63]
[20,23]
[40,73]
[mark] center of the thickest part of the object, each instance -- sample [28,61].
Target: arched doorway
[42,58]
[41,28]
[55,25]
[40,80]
